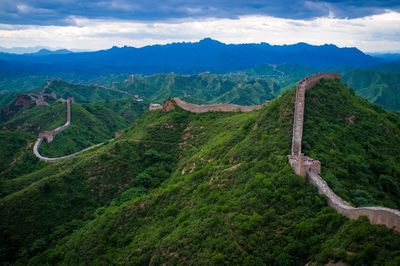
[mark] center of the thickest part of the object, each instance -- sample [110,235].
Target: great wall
[49,136]
[168,105]
[302,165]
[203,108]
[311,168]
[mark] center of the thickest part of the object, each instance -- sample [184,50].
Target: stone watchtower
[48,135]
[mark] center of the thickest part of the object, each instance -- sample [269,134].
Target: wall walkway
[204,108]
[310,168]
[49,136]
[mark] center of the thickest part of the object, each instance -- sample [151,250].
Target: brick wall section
[376,215]
[311,168]
[196,108]
[49,135]
[298,122]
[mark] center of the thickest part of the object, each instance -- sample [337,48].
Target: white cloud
[372,33]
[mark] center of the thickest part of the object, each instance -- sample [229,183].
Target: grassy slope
[284,75]
[81,93]
[6,98]
[201,88]
[377,86]
[87,128]
[16,157]
[358,144]
[38,118]
[92,123]
[185,188]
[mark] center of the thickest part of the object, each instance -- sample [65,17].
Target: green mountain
[357,143]
[6,98]
[92,123]
[81,93]
[284,75]
[205,87]
[378,84]
[381,87]
[16,154]
[212,188]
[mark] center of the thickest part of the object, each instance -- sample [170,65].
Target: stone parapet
[311,168]
[298,120]
[49,135]
[203,108]
[155,106]
[376,215]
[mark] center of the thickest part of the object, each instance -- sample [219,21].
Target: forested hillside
[96,115]
[380,85]
[205,87]
[213,188]
[357,143]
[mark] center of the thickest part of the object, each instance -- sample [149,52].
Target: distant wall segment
[311,168]
[50,135]
[204,108]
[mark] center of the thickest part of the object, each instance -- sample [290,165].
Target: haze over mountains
[205,55]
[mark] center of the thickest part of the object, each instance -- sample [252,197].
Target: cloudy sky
[98,24]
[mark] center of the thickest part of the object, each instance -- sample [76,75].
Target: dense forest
[213,188]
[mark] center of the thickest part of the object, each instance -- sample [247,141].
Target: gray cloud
[58,12]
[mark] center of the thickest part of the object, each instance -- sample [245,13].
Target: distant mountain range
[394,56]
[43,52]
[205,55]
[34,49]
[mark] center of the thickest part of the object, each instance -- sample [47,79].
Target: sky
[372,26]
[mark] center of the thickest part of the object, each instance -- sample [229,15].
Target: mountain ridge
[205,188]
[192,57]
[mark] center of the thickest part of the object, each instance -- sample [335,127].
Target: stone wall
[203,108]
[155,106]
[298,122]
[49,135]
[311,168]
[376,215]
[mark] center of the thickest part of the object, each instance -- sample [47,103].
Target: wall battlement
[204,108]
[311,168]
[50,135]
[305,84]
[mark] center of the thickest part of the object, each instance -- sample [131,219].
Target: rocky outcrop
[311,168]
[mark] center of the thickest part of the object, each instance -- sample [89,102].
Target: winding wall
[224,107]
[311,168]
[204,108]
[49,136]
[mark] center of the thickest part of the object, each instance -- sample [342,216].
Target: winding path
[49,136]
[310,168]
